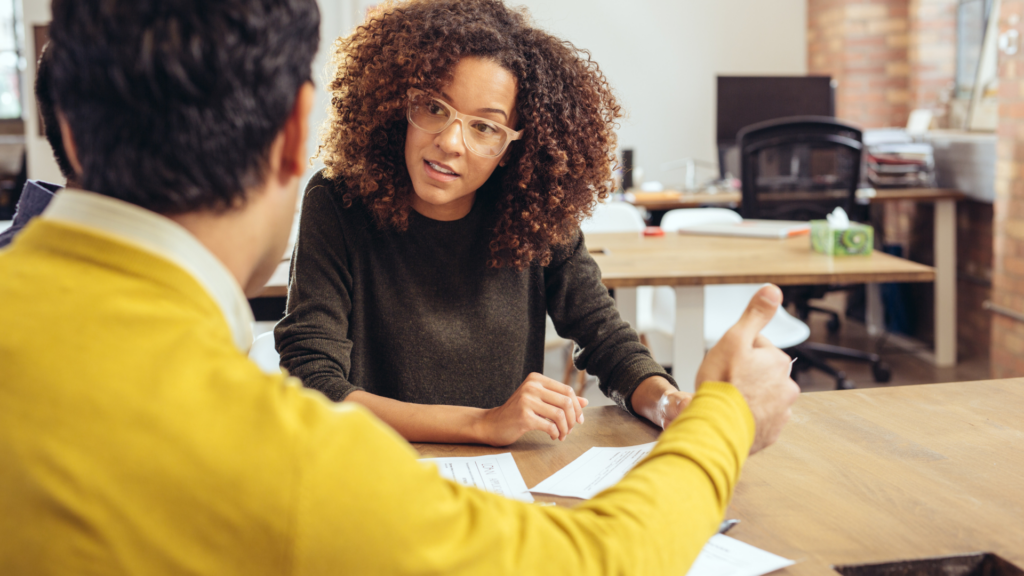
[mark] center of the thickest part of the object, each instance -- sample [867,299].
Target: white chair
[264,353]
[610,217]
[723,304]
[614,217]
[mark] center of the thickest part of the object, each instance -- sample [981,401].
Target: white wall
[662,56]
[39,155]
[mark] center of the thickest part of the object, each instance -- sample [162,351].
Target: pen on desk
[727,525]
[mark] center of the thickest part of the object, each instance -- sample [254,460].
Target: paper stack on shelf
[892,158]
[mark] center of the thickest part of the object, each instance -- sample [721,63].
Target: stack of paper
[495,473]
[724,556]
[595,470]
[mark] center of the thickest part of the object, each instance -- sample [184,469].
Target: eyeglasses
[482,136]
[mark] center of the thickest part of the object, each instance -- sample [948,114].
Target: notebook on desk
[751,228]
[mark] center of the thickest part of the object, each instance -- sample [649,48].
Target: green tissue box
[858,239]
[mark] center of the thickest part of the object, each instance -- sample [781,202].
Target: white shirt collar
[165,238]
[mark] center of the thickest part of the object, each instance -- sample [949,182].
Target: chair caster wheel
[844,384]
[833,326]
[881,372]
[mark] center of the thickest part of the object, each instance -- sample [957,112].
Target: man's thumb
[759,313]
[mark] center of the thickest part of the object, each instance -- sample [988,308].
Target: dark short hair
[48,112]
[174,104]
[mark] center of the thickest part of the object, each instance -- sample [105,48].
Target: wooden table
[690,262]
[944,248]
[858,476]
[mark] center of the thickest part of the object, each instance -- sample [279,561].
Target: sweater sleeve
[366,506]
[583,311]
[312,339]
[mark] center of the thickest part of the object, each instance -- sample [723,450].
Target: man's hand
[539,403]
[759,370]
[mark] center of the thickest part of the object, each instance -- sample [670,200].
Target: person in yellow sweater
[135,435]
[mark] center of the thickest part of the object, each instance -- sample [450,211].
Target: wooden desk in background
[944,248]
[858,476]
[690,262]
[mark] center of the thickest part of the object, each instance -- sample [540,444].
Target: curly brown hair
[552,178]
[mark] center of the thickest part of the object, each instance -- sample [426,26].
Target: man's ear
[69,144]
[294,159]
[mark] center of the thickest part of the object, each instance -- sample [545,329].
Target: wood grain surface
[858,476]
[865,476]
[691,260]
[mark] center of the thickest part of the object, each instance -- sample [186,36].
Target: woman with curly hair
[463,148]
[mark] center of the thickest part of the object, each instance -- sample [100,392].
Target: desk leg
[875,315]
[945,283]
[688,341]
[625,301]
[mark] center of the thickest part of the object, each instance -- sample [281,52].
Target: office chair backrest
[675,220]
[614,217]
[799,168]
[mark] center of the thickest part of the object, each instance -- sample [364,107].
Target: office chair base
[813,354]
[833,325]
[881,372]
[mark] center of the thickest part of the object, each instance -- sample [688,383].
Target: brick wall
[1007,348]
[863,46]
[931,53]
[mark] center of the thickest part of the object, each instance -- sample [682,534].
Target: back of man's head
[47,111]
[174,104]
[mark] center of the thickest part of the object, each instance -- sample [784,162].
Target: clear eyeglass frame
[466,119]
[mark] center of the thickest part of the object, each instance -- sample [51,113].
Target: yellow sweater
[136,439]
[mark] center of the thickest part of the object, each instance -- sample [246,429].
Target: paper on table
[595,470]
[496,473]
[725,556]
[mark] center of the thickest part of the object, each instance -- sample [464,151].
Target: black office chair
[802,168]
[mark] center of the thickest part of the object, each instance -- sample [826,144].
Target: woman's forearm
[425,422]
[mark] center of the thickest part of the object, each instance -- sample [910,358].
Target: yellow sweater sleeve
[366,506]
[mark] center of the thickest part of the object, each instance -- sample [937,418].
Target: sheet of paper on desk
[496,473]
[725,556]
[595,470]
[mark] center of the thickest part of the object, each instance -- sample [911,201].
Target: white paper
[595,470]
[496,473]
[725,556]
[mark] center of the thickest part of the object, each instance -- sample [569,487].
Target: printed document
[496,473]
[595,470]
[724,556]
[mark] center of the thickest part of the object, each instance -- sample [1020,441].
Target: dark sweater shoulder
[327,197]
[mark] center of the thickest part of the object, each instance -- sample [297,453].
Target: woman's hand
[539,403]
